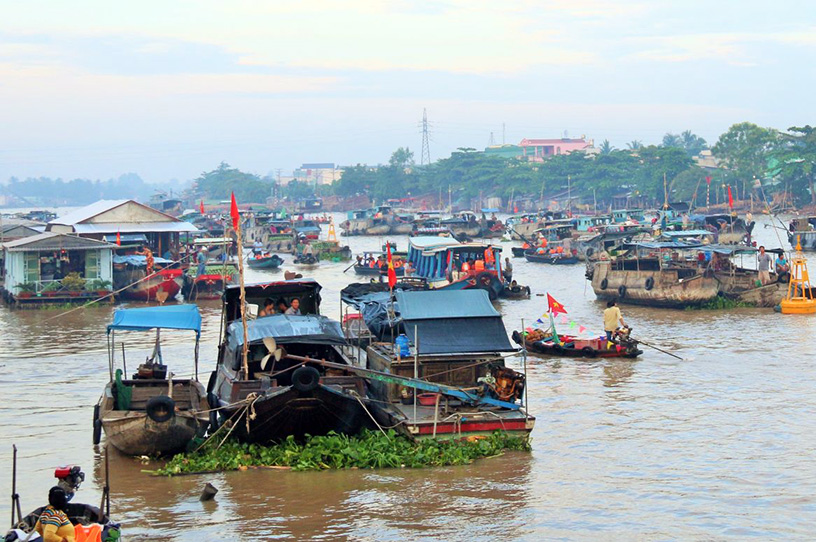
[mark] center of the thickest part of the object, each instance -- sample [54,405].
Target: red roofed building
[538,150]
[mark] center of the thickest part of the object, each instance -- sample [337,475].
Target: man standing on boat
[611,316]
[764,266]
[507,271]
[201,259]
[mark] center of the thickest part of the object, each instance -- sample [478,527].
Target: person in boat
[53,524]
[764,260]
[612,316]
[257,247]
[308,250]
[268,308]
[148,254]
[408,269]
[508,270]
[781,264]
[359,260]
[201,259]
[295,308]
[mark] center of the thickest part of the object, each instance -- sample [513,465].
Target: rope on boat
[357,396]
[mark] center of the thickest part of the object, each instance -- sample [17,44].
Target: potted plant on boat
[26,290]
[100,287]
[52,289]
[74,284]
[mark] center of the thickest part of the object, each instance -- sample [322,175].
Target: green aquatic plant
[368,450]
[721,303]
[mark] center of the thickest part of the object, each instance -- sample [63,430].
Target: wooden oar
[659,350]
[349,267]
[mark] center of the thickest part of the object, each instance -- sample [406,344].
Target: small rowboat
[266,261]
[622,347]
[552,259]
[376,271]
[519,252]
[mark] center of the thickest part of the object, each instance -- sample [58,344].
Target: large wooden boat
[131,277]
[211,284]
[441,262]
[151,413]
[284,389]
[802,231]
[457,359]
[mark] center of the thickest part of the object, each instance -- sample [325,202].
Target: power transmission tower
[492,142]
[425,158]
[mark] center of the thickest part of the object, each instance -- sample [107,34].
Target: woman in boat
[295,308]
[54,525]
[268,308]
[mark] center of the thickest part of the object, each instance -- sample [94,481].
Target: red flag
[201,207]
[392,273]
[554,306]
[236,216]
[118,239]
[708,180]
[730,197]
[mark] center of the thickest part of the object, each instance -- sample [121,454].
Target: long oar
[349,267]
[659,350]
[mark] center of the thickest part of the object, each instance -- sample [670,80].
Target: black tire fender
[305,379]
[212,401]
[622,290]
[589,252]
[604,284]
[97,425]
[484,280]
[650,283]
[588,352]
[160,408]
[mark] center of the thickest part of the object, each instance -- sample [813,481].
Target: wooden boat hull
[475,423]
[548,349]
[522,292]
[133,432]
[742,287]
[146,290]
[669,289]
[381,229]
[552,260]
[270,262]
[518,252]
[284,411]
[366,271]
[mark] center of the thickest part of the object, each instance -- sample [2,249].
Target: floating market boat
[130,276]
[264,261]
[211,284]
[552,259]
[453,381]
[151,413]
[308,229]
[440,262]
[90,523]
[544,344]
[284,388]
[802,232]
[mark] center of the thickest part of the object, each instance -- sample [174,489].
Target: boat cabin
[584,223]
[306,290]
[627,215]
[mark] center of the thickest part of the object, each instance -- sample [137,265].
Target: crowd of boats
[419,349]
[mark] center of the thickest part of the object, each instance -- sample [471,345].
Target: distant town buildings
[316,173]
[538,150]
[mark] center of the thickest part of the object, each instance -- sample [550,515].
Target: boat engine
[503,383]
[623,338]
[70,477]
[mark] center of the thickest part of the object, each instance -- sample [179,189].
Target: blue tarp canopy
[165,317]
[659,245]
[686,233]
[138,261]
[287,328]
[490,210]
[452,322]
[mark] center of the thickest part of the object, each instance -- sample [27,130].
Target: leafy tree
[606,147]
[224,180]
[745,149]
[796,156]
[634,145]
[693,144]
[672,140]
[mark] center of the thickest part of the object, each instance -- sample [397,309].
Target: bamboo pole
[245,348]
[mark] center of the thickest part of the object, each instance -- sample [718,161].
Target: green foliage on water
[368,450]
[721,303]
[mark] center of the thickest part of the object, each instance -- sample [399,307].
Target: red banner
[236,216]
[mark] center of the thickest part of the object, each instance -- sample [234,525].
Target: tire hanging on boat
[622,290]
[604,284]
[305,379]
[650,283]
[160,408]
[97,425]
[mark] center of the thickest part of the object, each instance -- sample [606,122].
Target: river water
[721,445]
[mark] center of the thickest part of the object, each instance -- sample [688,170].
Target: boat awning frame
[181,317]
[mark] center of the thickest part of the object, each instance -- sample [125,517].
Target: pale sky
[168,89]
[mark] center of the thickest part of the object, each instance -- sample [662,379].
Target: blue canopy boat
[151,413]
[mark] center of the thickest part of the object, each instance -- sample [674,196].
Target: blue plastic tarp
[165,317]
[287,328]
[138,261]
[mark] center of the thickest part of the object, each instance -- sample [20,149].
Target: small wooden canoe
[268,261]
[552,259]
[580,348]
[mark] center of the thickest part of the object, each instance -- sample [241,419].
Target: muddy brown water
[721,445]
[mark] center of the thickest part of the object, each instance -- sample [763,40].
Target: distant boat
[264,261]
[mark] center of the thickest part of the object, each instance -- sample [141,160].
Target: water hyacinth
[368,450]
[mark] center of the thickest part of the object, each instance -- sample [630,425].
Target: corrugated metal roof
[55,241]
[99,207]
[136,227]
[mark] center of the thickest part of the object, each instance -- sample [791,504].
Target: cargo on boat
[548,345]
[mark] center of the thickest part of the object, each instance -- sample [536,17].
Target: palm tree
[635,144]
[606,147]
[672,140]
[693,144]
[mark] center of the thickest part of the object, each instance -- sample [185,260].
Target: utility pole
[492,142]
[425,157]
[569,194]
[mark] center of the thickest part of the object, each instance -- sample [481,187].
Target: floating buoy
[800,296]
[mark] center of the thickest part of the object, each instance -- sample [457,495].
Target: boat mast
[245,348]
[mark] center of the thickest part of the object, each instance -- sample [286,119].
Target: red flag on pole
[730,198]
[118,239]
[201,207]
[554,306]
[236,216]
[392,273]
[708,180]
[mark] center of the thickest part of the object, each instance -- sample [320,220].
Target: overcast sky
[168,89]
